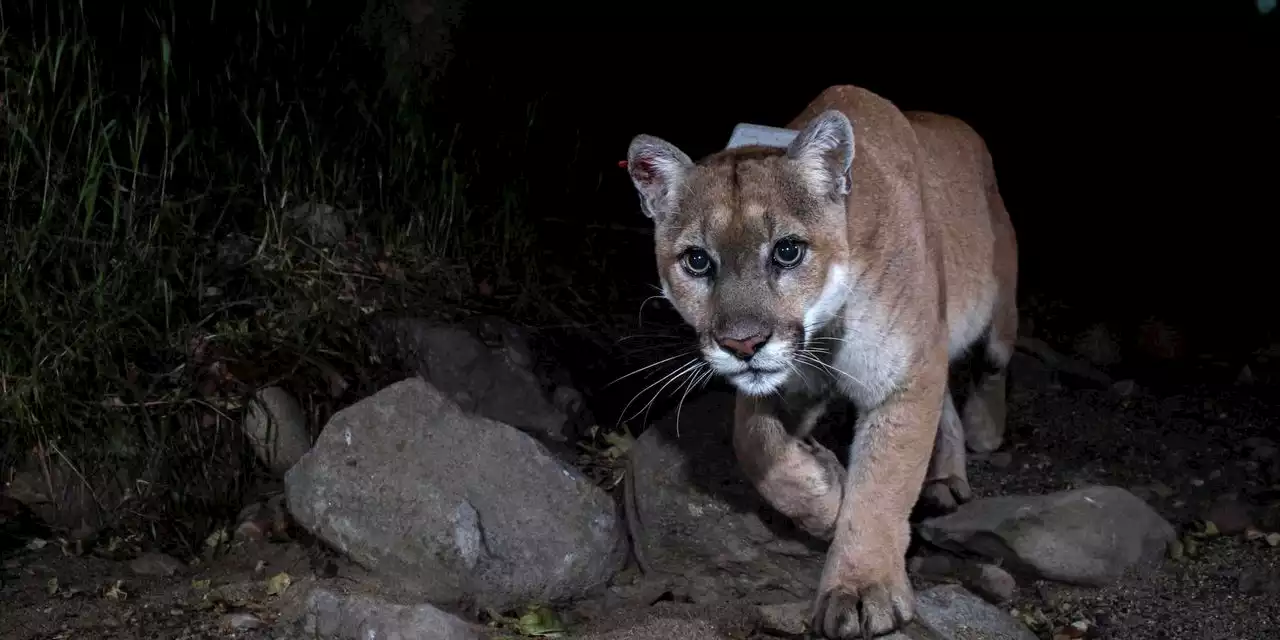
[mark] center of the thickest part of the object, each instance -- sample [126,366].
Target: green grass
[152,277]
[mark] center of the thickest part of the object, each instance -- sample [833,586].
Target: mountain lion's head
[752,245]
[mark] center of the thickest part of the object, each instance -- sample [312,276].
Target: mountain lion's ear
[657,169]
[824,152]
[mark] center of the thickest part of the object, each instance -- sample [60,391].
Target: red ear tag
[622,164]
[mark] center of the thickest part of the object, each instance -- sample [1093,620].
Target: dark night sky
[1139,167]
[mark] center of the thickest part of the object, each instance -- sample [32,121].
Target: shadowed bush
[160,261]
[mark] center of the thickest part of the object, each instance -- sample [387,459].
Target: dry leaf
[278,583]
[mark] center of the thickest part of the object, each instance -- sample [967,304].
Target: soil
[1185,449]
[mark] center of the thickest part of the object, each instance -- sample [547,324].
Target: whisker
[648,336]
[809,364]
[692,363]
[830,368]
[692,380]
[640,313]
[650,366]
[686,371]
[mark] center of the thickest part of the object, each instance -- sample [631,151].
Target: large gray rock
[1086,536]
[692,513]
[454,505]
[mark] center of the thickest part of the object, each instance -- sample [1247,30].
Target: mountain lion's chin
[759,383]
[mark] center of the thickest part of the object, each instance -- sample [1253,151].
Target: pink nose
[744,348]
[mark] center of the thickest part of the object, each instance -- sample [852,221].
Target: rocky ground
[1117,511]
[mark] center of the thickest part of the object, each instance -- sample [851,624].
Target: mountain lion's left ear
[824,152]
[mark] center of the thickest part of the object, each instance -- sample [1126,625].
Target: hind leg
[947,485]
[984,410]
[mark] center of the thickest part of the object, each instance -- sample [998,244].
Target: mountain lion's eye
[697,262]
[788,252]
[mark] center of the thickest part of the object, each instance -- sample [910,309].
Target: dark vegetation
[153,276]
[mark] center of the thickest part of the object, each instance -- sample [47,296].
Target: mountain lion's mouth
[759,382]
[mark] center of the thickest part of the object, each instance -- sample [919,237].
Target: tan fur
[909,261]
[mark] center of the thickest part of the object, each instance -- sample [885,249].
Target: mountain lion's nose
[746,347]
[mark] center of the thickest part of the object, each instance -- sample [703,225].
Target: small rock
[1161,489]
[788,619]
[263,521]
[1085,536]
[672,621]
[1124,388]
[951,613]
[1230,516]
[992,583]
[156,564]
[277,427]
[240,622]
[331,615]
[567,399]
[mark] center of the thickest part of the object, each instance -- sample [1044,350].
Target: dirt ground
[1195,453]
[1184,449]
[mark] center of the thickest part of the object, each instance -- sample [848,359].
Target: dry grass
[154,275]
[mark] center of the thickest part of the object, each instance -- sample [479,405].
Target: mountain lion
[856,264]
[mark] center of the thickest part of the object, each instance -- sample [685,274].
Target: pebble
[789,619]
[241,622]
[156,564]
[992,583]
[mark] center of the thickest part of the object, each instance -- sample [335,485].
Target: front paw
[864,593]
[945,495]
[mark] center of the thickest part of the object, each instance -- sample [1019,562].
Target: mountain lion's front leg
[797,476]
[864,589]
